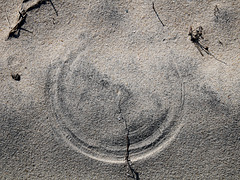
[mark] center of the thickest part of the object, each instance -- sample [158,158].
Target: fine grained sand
[106,91]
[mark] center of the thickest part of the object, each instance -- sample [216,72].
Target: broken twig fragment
[157,14]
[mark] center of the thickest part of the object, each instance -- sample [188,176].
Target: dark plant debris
[16,77]
[15,31]
[196,35]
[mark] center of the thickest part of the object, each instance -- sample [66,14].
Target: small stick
[207,51]
[25,30]
[53,7]
[199,49]
[157,14]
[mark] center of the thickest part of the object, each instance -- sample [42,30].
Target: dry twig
[157,14]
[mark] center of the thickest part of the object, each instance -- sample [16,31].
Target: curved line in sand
[145,155]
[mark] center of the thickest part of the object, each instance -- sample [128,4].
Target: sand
[119,90]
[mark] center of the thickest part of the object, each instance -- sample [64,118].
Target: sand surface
[118,90]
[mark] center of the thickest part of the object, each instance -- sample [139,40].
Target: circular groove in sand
[86,105]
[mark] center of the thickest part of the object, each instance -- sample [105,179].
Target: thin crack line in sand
[182,85]
[134,174]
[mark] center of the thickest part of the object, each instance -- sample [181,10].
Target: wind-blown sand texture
[119,89]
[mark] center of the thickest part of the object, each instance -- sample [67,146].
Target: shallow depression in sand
[90,111]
